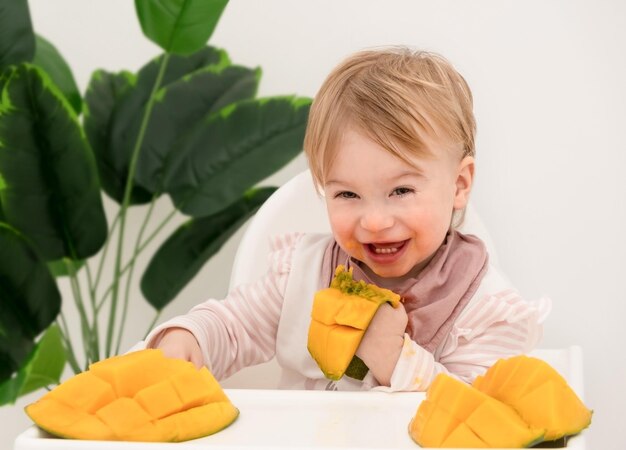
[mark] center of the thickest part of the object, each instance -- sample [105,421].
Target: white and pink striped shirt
[241,330]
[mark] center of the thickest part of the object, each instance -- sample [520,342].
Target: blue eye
[345,194]
[402,191]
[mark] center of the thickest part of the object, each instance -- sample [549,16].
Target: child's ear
[464,180]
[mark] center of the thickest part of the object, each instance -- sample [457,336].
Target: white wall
[548,80]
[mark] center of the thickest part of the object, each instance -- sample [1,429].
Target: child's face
[388,214]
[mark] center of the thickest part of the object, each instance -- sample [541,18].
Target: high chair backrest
[296,206]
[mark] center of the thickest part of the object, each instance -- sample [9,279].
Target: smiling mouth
[385,248]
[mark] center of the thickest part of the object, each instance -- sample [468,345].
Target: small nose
[376,220]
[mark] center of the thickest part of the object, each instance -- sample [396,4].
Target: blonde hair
[397,97]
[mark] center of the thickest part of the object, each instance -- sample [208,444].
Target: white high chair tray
[271,419]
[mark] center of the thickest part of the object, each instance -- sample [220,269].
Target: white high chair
[296,206]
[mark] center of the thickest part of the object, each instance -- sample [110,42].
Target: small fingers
[181,344]
[387,317]
[196,358]
[172,351]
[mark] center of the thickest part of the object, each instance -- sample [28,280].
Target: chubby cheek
[343,231]
[350,245]
[353,248]
[426,243]
[430,232]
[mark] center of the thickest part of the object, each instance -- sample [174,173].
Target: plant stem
[132,269]
[104,251]
[136,254]
[78,300]
[127,193]
[93,287]
[95,348]
[69,350]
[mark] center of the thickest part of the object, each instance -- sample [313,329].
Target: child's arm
[494,327]
[238,331]
[382,342]
[230,334]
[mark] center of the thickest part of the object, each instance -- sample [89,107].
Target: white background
[548,80]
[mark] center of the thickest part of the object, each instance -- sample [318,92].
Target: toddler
[390,145]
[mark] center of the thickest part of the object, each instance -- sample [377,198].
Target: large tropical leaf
[183,104]
[43,367]
[127,114]
[179,26]
[233,150]
[179,66]
[182,255]
[17,40]
[103,92]
[29,299]
[50,190]
[51,61]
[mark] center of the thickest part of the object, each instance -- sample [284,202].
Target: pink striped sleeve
[493,327]
[240,330]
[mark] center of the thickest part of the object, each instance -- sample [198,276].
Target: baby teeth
[386,250]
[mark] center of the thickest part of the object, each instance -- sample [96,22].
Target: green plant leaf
[4,77]
[128,111]
[179,26]
[51,61]
[233,150]
[103,92]
[44,367]
[183,104]
[178,67]
[51,192]
[17,40]
[59,268]
[29,299]
[184,253]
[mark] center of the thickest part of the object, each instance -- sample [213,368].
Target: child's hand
[382,343]
[180,343]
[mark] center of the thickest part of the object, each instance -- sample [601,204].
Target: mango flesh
[339,318]
[539,394]
[140,396]
[455,414]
